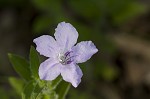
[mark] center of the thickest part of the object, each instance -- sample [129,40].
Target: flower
[62,55]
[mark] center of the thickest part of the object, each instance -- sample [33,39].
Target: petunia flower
[63,55]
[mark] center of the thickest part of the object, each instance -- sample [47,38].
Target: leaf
[34,62]
[62,89]
[56,82]
[34,89]
[21,66]
[17,84]
[38,89]
[28,90]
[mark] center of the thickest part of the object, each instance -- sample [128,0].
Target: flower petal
[83,51]
[49,69]
[46,45]
[72,73]
[66,35]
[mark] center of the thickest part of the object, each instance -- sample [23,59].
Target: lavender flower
[62,55]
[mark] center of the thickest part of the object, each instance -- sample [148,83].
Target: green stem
[41,91]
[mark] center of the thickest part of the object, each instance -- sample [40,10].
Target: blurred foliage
[17,84]
[3,94]
[92,12]
[93,19]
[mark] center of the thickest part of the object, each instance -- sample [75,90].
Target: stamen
[68,53]
[71,57]
[66,58]
[68,62]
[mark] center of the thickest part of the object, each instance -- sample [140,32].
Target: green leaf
[17,84]
[62,89]
[28,90]
[38,89]
[21,66]
[56,82]
[34,62]
[34,89]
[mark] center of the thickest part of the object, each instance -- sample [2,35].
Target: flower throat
[65,58]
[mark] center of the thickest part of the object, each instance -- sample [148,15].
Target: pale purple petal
[72,73]
[46,45]
[83,51]
[66,35]
[49,69]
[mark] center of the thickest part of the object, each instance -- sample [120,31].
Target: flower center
[65,58]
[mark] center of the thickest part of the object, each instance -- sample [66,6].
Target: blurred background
[119,28]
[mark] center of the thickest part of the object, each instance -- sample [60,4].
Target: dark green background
[119,28]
